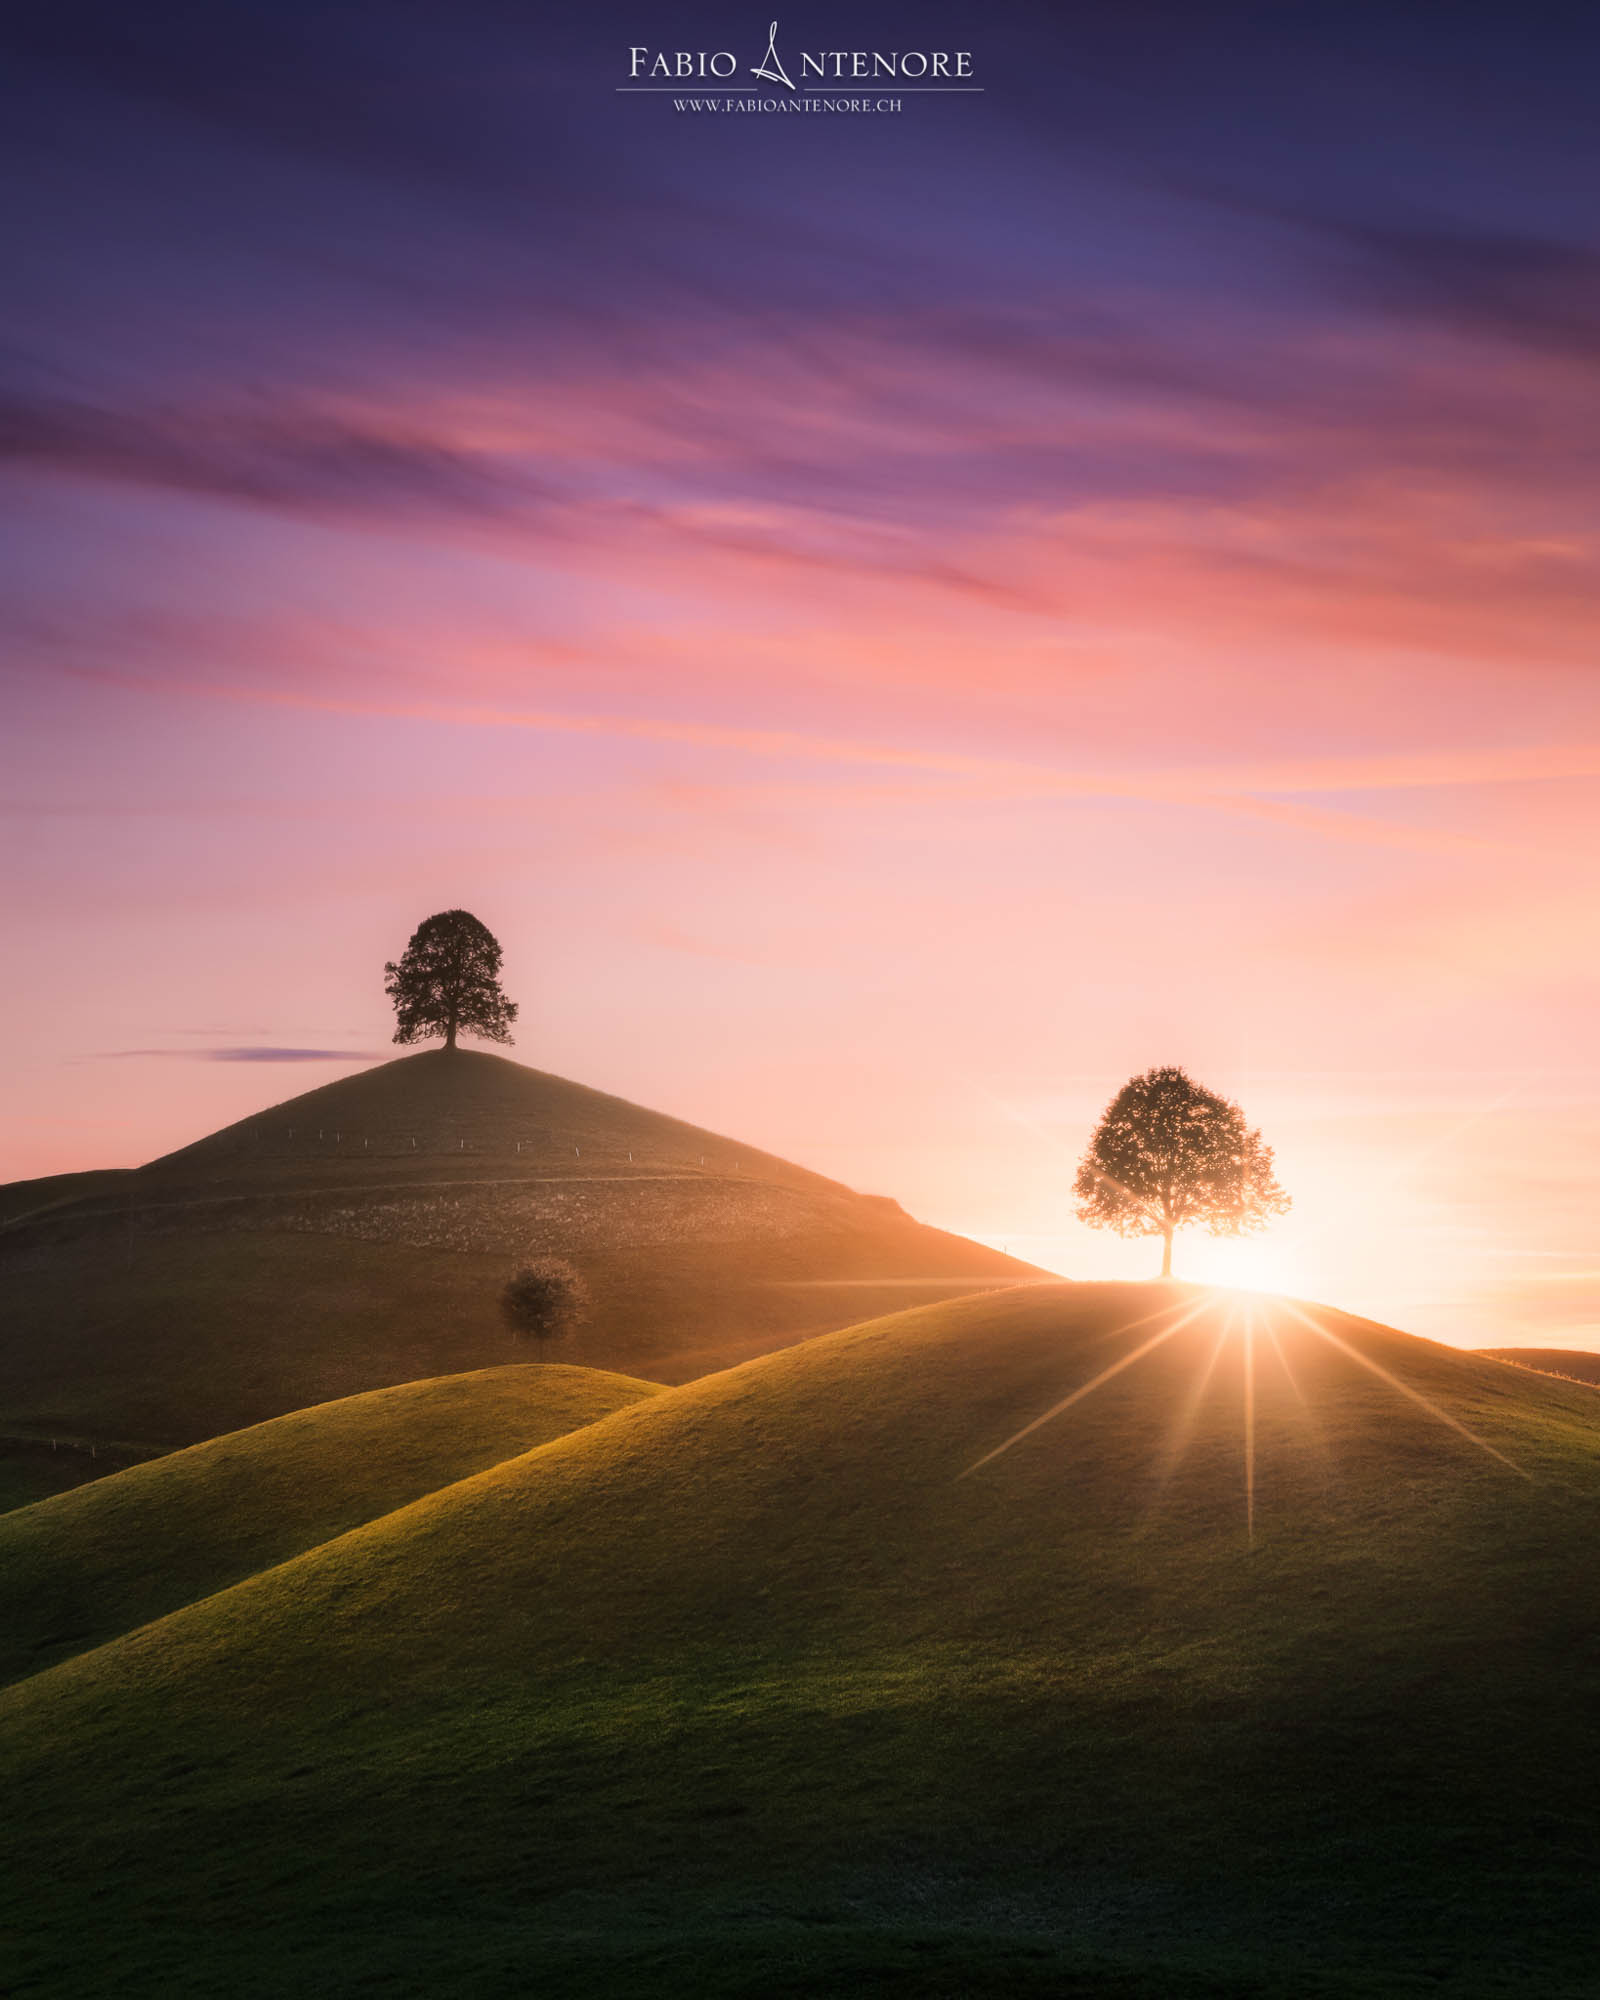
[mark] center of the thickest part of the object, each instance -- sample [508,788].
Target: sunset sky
[896,621]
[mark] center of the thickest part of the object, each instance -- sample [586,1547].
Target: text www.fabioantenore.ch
[762,104]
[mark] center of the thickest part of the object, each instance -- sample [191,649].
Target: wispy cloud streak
[261,1054]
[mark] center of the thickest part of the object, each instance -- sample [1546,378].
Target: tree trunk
[1166,1253]
[450,1036]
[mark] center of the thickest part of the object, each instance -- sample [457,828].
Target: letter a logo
[772,70]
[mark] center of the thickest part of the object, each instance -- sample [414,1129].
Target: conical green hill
[459,1110]
[1267,1666]
[360,1236]
[84,1566]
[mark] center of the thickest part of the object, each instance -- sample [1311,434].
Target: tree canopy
[448,982]
[1167,1153]
[545,1300]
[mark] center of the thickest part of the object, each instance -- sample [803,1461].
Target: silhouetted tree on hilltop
[544,1301]
[448,983]
[1168,1152]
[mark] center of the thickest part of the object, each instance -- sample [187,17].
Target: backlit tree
[1168,1153]
[448,983]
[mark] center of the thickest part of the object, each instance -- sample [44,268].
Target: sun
[1238,1263]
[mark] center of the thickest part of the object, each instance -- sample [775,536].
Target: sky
[897,619]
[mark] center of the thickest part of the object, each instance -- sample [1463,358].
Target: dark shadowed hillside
[359,1235]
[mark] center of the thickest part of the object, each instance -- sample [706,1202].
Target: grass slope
[35,1468]
[22,1201]
[1576,1363]
[253,1273]
[747,1689]
[29,1473]
[87,1565]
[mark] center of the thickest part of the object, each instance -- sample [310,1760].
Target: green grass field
[90,1564]
[1268,1667]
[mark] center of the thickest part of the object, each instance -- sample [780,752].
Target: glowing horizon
[895,633]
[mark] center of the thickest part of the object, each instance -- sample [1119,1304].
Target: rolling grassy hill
[1268,1666]
[87,1565]
[1576,1363]
[358,1236]
[31,1201]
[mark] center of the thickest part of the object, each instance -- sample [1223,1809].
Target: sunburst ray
[1404,1389]
[1183,1427]
[1105,1375]
[1249,1423]
[1289,1375]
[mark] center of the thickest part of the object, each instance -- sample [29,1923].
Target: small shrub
[545,1300]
